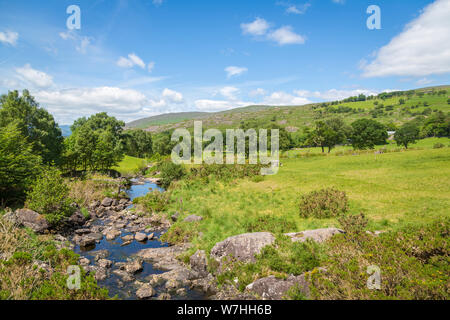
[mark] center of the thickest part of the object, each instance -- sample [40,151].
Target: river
[118,253]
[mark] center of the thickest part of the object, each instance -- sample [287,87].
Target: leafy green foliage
[155,201]
[329,133]
[407,134]
[413,263]
[324,203]
[138,143]
[368,133]
[50,196]
[95,143]
[171,172]
[18,164]
[35,123]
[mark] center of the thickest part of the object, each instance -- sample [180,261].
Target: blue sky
[140,58]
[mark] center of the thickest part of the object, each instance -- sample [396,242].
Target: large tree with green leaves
[18,164]
[138,143]
[329,133]
[367,133]
[34,122]
[95,143]
[408,133]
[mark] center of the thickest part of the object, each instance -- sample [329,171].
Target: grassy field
[393,189]
[130,165]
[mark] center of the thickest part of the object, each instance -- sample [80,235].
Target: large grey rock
[31,219]
[271,288]
[112,234]
[77,218]
[317,235]
[199,263]
[140,236]
[145,292]
[242,247]
[107,202]
[133,266]
[193,218]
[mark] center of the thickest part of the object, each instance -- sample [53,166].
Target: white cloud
[34,77]
[158,2]
[229,92]
[81,43]
[281,98]
[131,61]
[9,37]
[219,105]
[422,49]
[235,71]
[109,99]
[257,92]
[424,81]
[335,94]
[150,66]
[295,9]
[285,35]
[172,96]
[256,28]
[339,1]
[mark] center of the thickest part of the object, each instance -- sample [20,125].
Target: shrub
[324,203]
[269,224]
[170,172]
[438,145]
[413,262]
[353,225]
[50,196]
[155,201]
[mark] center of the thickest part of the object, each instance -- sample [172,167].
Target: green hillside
[164,119]
[389,108]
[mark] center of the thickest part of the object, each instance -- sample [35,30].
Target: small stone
[193,218]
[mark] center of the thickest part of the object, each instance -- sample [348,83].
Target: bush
[438,146]
[269,224]
[155,201]
[325,203]
[353,224]
[413,263]
[171,172]
[50,196]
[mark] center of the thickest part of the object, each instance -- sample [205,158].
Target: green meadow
[393,189]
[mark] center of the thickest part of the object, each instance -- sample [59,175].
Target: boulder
[271,288]
[94,205]
[82,231]
[133,266]
[107,202]
[193,218]
[242,247]
[199,263]
[318,235]
[33,220]
[87,242]
[77,218]
[127,238]
[104,263]
[112,234]
[140,237]
[145,292]
[99,254]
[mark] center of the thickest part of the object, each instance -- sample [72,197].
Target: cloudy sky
[140,58]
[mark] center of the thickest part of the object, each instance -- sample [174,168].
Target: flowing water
[117,253]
